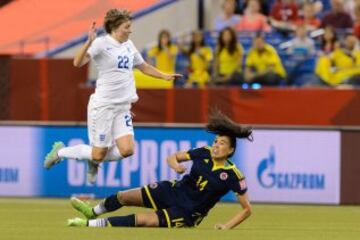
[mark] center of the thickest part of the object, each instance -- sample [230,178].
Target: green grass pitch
[28,218]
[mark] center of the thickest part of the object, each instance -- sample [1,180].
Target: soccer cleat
[52,157]
[92,172]
[82,207]
[77,222]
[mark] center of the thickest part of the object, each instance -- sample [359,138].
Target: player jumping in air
[110,128]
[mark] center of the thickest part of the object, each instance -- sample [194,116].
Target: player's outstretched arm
[239,217]
[173,161]
[154,72]
[81,57]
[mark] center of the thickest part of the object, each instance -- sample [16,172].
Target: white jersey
[115,62]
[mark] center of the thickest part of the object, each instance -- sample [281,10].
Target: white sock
[113,154]
[79,152]
[99,209]
[101,222]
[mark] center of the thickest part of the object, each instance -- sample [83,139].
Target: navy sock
[122,221]
[112,203]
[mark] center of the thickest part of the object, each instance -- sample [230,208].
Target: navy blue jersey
[206,183]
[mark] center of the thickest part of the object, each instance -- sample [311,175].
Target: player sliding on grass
[186,202]
[110,129]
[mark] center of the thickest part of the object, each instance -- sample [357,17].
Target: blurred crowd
[258,43]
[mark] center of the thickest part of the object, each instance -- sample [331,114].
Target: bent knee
[126,151]
[98,155]
[121,197]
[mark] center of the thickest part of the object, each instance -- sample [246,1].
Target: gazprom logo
[268,177]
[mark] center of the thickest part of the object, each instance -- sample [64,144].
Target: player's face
[123,32]
[221,147]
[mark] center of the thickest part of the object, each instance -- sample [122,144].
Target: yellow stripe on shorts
[167,218]
[150,198]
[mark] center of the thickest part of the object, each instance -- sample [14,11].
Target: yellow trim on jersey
[208,148]
[108,224]
[238,173]
[167,218]
[187,156]
[150,198]
[217,166]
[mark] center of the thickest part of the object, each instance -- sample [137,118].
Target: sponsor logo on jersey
[223,176]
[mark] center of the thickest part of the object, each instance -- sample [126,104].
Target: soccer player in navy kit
[186,202]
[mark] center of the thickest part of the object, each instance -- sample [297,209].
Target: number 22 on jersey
[201,183]
[123,62]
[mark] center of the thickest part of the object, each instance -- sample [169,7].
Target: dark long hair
[161,34]
[222,125]
[193,44]
[232,47]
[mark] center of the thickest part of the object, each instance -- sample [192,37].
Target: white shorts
[108,122]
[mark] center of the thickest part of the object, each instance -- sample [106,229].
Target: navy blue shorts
[161,197]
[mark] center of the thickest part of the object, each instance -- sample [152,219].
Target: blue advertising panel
[290,166]
[147,165]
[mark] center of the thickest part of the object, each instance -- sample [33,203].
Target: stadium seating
[37,26]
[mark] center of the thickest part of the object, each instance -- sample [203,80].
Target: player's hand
[180,169]
[92,32]
[171,77]
[220,226]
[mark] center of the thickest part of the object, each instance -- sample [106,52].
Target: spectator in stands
[301,46]
[317,5]
[343,65]
[264,6]
[228,59]
[328,41]
[283,15]
[164,54]
[308,17]
[263,64]
[200,57]
[337,17]
[253,20]
[228,18]
[300,52]
[356,27]
[349,6]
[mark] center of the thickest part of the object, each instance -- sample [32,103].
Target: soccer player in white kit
[110,127]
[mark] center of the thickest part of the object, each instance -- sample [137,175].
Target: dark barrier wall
[279,106]
[350,167]
[4,86]
[25,90]
[54,90]
[46,90]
